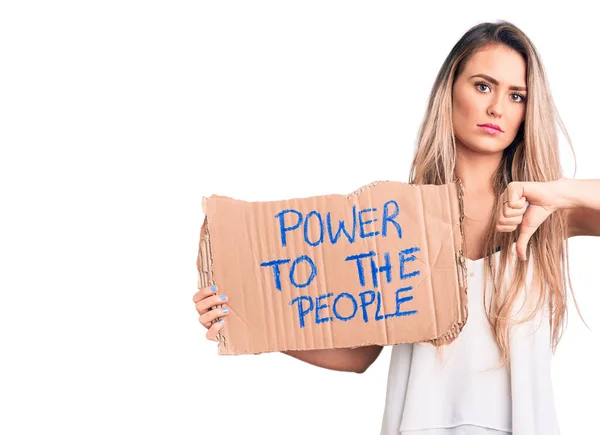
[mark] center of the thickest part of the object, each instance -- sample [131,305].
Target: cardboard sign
[383,265]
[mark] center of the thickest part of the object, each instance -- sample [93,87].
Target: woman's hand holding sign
[206,300]
[348,360]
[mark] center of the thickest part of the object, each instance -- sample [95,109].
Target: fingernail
[213,288]
[223,297]
[225,310]
[221,320]
[527,205]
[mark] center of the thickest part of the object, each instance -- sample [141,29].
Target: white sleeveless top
[463,393]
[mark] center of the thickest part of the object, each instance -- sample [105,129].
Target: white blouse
[463,394]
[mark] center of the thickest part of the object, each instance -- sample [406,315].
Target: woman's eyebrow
[494,81]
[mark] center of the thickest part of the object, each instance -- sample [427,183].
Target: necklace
[475,220]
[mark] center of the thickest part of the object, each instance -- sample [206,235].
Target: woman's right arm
[211,306]
[356,359]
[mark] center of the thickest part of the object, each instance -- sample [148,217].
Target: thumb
[524,237]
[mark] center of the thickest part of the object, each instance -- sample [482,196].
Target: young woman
[491,123]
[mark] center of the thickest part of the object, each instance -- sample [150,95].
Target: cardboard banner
[383,265]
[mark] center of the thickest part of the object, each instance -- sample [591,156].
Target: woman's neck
[476,171]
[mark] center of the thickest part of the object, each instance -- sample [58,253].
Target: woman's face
[485,93]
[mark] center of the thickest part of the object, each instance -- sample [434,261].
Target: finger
[515,208]
[208,303]
[204,292]
[510,221]
[524,236]
[514,194]
[212,332]
[210,316]
[506,228]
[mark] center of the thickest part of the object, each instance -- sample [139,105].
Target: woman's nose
[495,109]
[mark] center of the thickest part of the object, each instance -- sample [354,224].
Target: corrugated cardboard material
[382,265]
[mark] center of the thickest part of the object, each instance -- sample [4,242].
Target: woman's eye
[522,99]
[519,99]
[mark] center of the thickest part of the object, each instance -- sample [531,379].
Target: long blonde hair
[532,156]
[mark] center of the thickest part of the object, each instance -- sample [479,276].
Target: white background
[116,117]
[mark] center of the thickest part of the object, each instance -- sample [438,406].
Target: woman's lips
[490,130]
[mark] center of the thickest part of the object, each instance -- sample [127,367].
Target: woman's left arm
[527,204]
[581,200]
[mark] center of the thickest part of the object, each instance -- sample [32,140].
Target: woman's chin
[482,147]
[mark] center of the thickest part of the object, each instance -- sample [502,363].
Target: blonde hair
[532,156]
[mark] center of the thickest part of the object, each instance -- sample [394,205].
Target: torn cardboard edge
[205,265]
